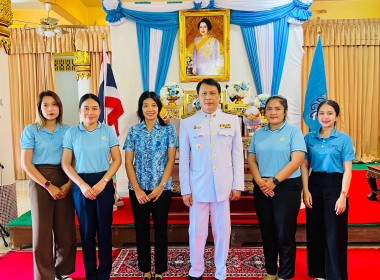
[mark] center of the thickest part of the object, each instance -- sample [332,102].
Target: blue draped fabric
[162,21]
[167,43]
[249,37]
[143,39]
[260,18]
[281,35]
[169,22]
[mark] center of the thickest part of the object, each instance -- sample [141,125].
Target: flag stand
[118,201]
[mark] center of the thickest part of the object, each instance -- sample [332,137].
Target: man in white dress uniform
[211,171]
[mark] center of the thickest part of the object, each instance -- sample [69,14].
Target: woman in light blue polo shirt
[52,206]
[275,156]
[150,149]
[329,156]
[90,144]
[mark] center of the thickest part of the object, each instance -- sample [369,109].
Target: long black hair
[154,96]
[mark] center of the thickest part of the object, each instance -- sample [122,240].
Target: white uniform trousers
[198,232]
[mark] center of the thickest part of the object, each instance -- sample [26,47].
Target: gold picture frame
[204,52]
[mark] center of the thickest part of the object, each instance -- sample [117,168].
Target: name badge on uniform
[225,125]
[103,138]
[197,127]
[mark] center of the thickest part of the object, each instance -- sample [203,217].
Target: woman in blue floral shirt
[150,150]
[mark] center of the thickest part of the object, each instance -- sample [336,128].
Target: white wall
[67,89]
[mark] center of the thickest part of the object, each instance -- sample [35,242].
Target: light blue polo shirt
[273,148]
[46,146]
[91,148]
[328,154]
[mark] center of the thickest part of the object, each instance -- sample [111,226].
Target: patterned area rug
[241,263]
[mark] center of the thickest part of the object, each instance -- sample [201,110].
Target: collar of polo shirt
[281,127]
[333,134]
[81,127]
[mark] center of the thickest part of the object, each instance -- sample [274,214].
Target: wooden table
[373,174]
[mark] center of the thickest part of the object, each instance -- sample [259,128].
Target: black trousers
[277,218]
[95,218]
[327,233]
[141,215]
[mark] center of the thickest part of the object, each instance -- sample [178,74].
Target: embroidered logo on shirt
[282,139]
[103,138]
[197,127]
[225,125]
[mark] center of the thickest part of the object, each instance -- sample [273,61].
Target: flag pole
[103,36]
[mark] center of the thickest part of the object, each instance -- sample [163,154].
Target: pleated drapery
[352,60]
[31,59]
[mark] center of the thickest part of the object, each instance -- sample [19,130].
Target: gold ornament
[6,16]
[82,62]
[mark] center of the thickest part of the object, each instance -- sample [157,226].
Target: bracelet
[345,194]
[105,179]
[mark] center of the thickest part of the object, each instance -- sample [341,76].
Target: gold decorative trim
[6,14]
[238,109]
[246,142]
[81,75]
[82,58]
[174,111]
[82,61]
[6,43]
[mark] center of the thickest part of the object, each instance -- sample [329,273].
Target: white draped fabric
[154,54]
[265,53]
[290,86]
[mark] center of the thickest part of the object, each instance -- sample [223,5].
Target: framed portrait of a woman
[204,45]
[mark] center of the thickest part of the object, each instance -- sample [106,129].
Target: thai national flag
[111,108]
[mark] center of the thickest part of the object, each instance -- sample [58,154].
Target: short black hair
[88,96]
[208,23]
[145,95]
[210,82]
[332,103]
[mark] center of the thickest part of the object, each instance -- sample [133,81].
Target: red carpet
[361,210]
[362,264]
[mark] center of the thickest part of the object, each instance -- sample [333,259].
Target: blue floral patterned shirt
[151,153]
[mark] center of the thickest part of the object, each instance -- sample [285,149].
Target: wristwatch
[47,184]
[345,194]
[275,181]
[164,185]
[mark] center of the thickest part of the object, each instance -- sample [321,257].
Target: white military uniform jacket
[211,156]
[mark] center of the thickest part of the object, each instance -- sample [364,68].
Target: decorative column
[8,203]
[82,62]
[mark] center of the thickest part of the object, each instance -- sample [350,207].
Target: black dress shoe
[194,278]
[147,278]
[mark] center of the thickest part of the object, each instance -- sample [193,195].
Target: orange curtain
[27,79]
[31,60]
[352,61]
